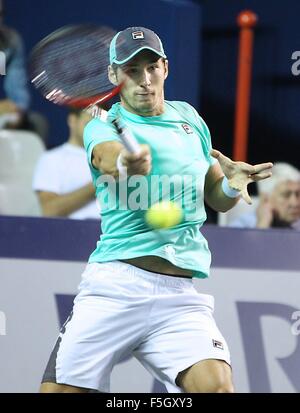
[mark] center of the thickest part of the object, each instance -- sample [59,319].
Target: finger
[246,196]
[136,162]
[259,177]
[215,153]
[132,157]
[218,155]
[254,169]
[262,167]
[142,169]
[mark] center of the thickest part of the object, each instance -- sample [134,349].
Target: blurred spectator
[15,97]
[62,177]
[279,201]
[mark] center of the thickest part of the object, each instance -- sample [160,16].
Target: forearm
[63,205]
[217,199]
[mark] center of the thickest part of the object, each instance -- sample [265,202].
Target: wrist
[228,191]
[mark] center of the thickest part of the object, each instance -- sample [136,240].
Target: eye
[131,71]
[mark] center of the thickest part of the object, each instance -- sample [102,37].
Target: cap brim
[121,62]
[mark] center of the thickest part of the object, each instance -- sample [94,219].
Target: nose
[146,78]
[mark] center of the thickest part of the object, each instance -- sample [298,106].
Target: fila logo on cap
[137,35]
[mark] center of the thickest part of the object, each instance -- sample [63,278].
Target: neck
[155,111]
[73,140]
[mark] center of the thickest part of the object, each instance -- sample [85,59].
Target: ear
[112,76]
[166,68]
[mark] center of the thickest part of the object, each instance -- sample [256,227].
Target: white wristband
[228,191]
[121,168]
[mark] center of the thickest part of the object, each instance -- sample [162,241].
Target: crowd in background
[61,179]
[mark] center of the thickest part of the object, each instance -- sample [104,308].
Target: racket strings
[72,63]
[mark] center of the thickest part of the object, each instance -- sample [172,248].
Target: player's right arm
[105,155]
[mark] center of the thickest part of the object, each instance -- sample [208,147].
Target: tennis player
[137,295]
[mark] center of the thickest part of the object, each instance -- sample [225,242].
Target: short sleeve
[205,136]
[96,132]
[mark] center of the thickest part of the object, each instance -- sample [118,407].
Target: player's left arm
[239,175]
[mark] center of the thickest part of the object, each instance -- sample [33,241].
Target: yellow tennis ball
[164,214]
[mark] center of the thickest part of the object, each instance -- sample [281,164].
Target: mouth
[144,93]
[144,97]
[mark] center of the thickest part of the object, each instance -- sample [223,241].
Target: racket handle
[127,139]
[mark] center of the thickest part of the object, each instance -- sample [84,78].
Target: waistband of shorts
[162,279]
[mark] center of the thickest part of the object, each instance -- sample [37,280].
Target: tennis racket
[69,67]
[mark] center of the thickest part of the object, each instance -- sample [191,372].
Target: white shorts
[123,310]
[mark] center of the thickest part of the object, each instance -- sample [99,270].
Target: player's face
[143,77]
[286,201]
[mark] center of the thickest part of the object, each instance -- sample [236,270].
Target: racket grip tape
[128,140]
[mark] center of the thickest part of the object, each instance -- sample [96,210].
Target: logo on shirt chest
[187,128]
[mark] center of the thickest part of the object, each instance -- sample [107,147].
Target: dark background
[201,40]
[275,100]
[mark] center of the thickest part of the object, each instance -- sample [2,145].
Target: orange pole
[246,20]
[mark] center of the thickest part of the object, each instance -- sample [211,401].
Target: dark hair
[115,65]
